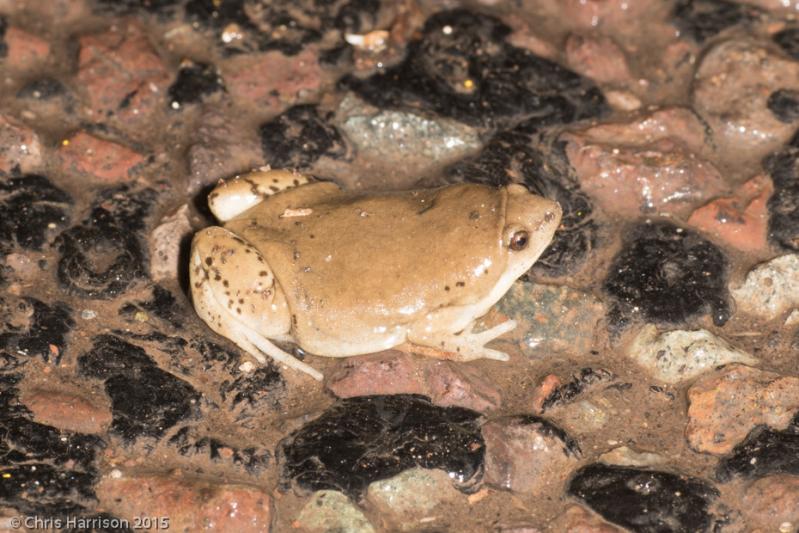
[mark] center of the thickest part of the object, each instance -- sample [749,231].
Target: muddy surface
[653,384]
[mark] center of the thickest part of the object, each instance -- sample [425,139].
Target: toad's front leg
[462,346]
[236,294]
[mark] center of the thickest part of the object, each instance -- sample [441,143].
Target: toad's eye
[519,240]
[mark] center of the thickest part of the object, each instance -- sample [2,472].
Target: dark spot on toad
[263,273]
[209,261]
[226,283]
[474,215]
[446,287]
[460,284]
[238,310]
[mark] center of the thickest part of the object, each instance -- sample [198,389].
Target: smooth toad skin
[341,273]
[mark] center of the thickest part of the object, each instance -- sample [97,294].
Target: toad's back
[346,259]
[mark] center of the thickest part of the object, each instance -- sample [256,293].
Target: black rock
[783,206]
[44,333]
[254,389]
[369,438]
[3,45]
[283,26]
[703,19]
[542,166]
[788,40]
[103,256]
[254,460]
[30,207]
[462,67]
[300,136]
[765,451]
[194,82]
[159,7]
[145,400]
[46,471]
[784,104]
[668,275]
[42,89]
[645,501]
[162,305]
[579,383]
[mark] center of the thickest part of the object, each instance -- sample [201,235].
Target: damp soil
[86,316]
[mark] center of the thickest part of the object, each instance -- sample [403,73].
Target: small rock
[329,510]
[578,519]
[625,456]
[726,405]
[554,318]
[194,83]
[667,274]
[394,372]
[645,500]
[783,206]
[224,146]
[679,355]
[598,58]
[364,439]
[622,100]
[188,504]
[19,145]
[731,89]
[403,142]
[122,74]
[25,50]
[68,411]
[106,161]
[659,177]
[771,502]
[165,244]
[770,289]
[552,392]
[528,454]
[411,495]
[739,221]
[764,452]
[272,81]
[784,103]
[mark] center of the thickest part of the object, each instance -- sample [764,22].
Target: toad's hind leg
[234,196]
[236,294]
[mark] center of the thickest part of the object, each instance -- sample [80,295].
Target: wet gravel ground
[653,384]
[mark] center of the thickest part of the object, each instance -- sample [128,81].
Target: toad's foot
[259,347]
[463,346]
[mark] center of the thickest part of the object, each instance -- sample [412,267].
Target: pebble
[770,289]
[329,510]
[412,495]
[680,355]
[554,318]
[528,454]
[726,405]
[393,372]
[187,504]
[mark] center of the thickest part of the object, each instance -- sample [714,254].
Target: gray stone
[330,510]
[675,356]
[770,289]
[553,318]
[408,498]
[413,144]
